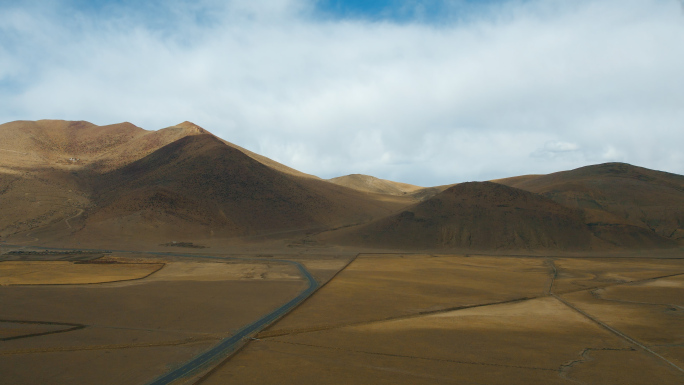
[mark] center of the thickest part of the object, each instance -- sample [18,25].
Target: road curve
[229,344]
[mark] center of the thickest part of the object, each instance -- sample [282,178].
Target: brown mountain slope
[516,180]
[199,186]
[369,183]
[477,215]
[121,178]
[46,166]
[54,143]
[616,197]
[103,147]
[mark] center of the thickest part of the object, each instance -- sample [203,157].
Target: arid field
[383,318]
[132,330]
[424,319]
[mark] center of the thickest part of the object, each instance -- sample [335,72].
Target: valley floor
[426,319]
[383,318]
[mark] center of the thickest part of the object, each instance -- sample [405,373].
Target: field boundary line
[617,332]
[72,328]
[393,318]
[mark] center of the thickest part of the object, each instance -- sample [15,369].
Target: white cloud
[530,87]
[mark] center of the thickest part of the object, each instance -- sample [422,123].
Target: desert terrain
[478,319]
[175,257]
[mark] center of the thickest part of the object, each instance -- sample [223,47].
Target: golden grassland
[384,318]
[129,332]
[425,319]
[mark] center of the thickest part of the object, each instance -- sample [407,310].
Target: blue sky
[429,11]
[425,92]
[402,11]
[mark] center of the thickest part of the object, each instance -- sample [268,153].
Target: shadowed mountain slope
[199,186]
[477,215]
[617,197]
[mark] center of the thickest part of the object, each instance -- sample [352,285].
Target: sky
[427,92]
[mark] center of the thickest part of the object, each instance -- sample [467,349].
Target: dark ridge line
[413,357]
[435,253]
[438,254]
[210,255]
[72,328]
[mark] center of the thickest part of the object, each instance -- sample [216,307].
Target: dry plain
[160,313]
[383,318]
[425,319]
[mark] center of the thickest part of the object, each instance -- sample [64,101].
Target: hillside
[477,215]
[79,179]
[491,216]
[617,197]
[215,189]
[367,183]
[46,166]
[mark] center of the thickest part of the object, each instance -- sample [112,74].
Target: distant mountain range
[77,181]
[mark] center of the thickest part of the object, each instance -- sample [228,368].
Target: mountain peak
[191,128]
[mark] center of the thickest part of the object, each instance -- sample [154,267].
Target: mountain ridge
[79,181]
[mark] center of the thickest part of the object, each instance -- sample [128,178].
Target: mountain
[80,182]
[212,187]
[90,181]
[47,166]
[51,142]
[367,183]
[477,215]
[617,199]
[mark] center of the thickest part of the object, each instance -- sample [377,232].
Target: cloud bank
[503,89]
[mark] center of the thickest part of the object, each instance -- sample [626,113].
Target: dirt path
[80,211]
[554,275]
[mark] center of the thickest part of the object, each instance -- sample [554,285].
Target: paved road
[229,344]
